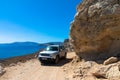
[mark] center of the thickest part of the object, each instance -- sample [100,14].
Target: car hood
[48,52]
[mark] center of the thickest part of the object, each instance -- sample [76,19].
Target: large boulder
[109,72]
[95,31]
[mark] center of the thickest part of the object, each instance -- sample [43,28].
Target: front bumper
[44,59]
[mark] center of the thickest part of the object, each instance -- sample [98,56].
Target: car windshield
[52,48]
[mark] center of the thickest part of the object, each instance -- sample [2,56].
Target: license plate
[44,58]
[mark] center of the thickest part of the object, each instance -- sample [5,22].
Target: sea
[13,51]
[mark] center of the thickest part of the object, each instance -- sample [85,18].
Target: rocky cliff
[95,31]
[68,45]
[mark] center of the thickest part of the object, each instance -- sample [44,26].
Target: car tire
[56,59]
[65,56]
[42,64]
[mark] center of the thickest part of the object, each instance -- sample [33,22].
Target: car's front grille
[45,54]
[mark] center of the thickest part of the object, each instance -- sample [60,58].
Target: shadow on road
[60,63]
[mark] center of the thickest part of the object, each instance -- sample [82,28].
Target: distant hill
[22,44]
[54,43]
[30,44]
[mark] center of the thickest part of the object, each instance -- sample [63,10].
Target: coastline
[14,60]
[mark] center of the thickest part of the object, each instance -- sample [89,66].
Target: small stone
[12,64]
[110,60]
[2,71]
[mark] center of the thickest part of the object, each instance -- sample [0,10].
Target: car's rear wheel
[65,56]
[57,59]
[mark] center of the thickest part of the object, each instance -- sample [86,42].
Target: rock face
[95,31]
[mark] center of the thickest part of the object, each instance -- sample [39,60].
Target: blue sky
[36,20]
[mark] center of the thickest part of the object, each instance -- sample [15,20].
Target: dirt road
[33,70]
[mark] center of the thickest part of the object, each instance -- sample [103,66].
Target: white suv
[52,53]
